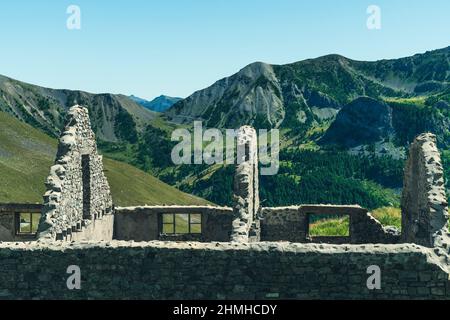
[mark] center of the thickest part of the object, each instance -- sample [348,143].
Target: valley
[344,126]
[26,155]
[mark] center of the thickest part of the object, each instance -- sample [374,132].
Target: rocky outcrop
[424,202]
[252,93]
[78,192]
[306,92]
[363,121]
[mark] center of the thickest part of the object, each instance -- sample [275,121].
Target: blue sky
[175,47]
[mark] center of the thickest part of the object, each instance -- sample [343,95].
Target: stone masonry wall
[283,224]
[276,224]
[364,228]
[170,270]
[144,223]
[246,191]
[424,203]
[77,190]
[7,226]
[292,224]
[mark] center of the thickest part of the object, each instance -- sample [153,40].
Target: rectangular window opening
[328,225]
[27,223]
[181,223]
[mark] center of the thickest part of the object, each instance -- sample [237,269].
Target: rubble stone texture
[193,270]
[292,224]
[424,203]
[78,192]
[246,190]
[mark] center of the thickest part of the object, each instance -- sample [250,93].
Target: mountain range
[114,117]
[332,112]
[308,93]
[345,124]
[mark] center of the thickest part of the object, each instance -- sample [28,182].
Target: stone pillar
[424,203]
[246,191]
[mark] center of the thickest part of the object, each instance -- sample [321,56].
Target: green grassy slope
[338,227]
[131,186]
[26,155]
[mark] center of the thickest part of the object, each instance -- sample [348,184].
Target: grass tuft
[330,227]
[388,216]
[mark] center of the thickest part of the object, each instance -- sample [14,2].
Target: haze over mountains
[334,113]
[159,104]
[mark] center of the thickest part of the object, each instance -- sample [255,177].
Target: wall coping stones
[172,207]
[314,208]
[221,246]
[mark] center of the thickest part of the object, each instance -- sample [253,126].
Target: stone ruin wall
[424,202]
[252,223]
[276,224]
[246,188]
[292,224]
[144,223]
[77,203]
[193,270]
[364,228]
[240,269]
